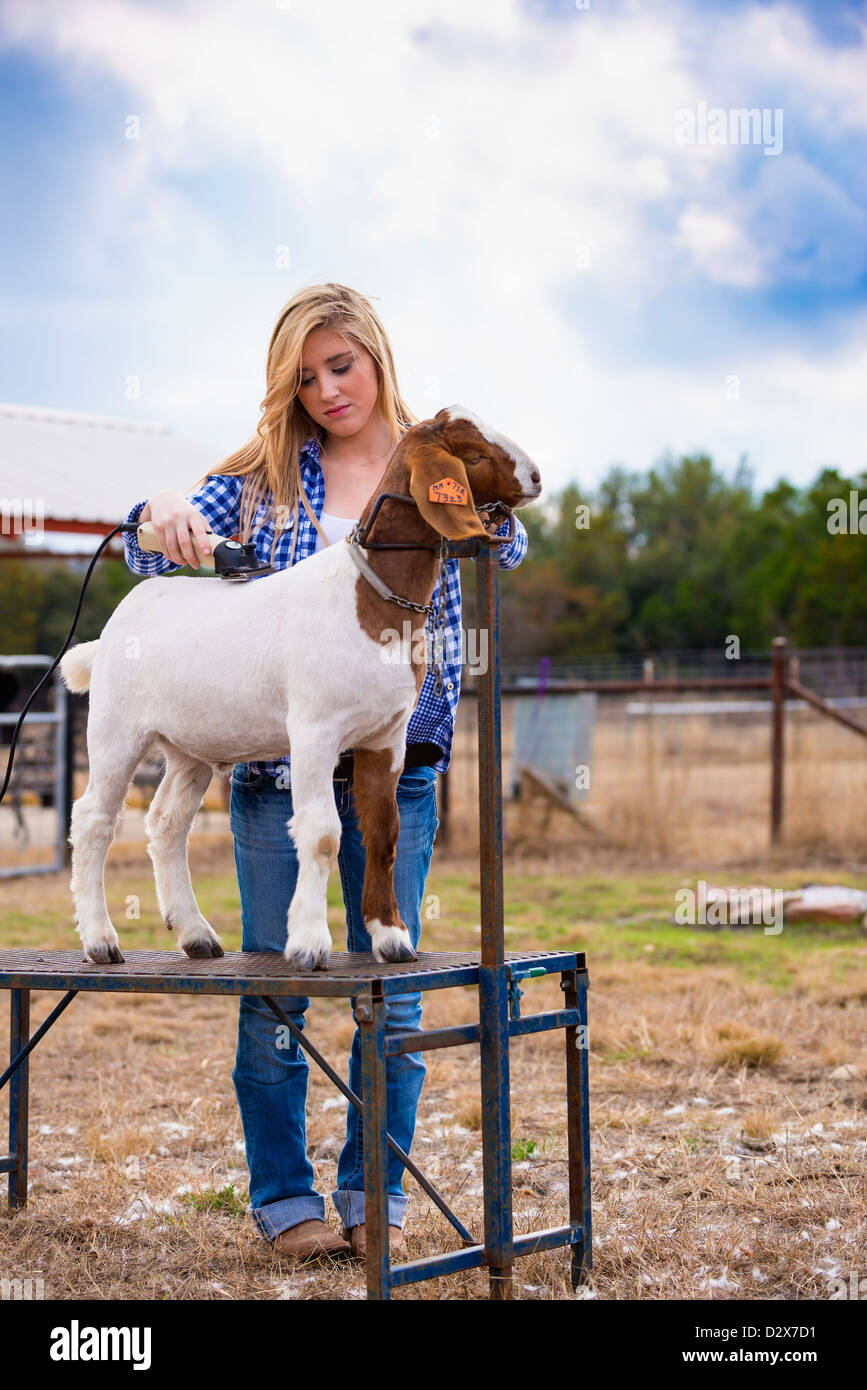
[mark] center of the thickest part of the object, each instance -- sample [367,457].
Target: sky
[549,205]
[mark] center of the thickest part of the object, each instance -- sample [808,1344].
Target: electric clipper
[231,560]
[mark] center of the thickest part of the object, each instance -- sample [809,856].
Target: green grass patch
[621,918]
[615,918]
[526,1148]
[223,1199]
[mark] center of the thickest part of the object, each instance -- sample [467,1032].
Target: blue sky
[503,179]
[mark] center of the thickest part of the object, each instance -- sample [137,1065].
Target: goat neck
[410,573]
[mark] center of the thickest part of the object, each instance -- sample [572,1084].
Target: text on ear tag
[447,490]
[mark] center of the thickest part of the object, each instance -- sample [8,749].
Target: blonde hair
[269,461]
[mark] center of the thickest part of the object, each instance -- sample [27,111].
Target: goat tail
[77,664]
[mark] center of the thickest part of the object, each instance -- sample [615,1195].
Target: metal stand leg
[574,985]
[370,1016]
[19,1096]
[493,983]
[496,1128]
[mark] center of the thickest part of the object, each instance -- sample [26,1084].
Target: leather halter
[358,541]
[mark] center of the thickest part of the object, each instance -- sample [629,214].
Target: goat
[213,674]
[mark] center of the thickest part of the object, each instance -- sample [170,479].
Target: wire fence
[680,773]
[668,773]
[830,671]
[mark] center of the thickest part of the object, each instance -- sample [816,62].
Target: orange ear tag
[448,490]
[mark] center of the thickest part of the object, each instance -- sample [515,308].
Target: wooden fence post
[778,734]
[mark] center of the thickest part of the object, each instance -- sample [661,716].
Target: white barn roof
[92,467]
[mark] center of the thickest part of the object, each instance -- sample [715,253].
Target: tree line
[677,556]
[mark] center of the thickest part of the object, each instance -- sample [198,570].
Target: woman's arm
[511,555]
[216,503]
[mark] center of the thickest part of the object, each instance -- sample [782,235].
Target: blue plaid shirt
[219,501]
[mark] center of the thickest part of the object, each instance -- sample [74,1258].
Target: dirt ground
[728,1146]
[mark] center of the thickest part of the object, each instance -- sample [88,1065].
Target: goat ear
[440,489]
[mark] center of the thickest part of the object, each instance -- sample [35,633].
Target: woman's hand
[490,523]
[176,521]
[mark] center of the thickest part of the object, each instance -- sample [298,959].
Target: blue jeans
[271,1071]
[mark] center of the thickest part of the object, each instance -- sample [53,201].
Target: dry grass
[741,1046]
[727,1163]
[668,787]
[663,788]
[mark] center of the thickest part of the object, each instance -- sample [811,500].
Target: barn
[70,477]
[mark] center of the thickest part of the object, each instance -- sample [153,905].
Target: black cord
[125,526]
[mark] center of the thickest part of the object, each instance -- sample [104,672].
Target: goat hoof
[307,960]
[104,954]
[400,953]
[391,945]
[203,949]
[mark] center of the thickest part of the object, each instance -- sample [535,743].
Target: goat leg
[375,792]
[168,823]
[315,829]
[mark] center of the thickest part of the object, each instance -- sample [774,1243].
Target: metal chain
[436,662]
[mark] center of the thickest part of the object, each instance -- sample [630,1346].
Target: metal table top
[257,972]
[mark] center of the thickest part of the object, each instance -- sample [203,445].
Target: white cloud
[719,247]
[760,48]
[763,405]
[455,176]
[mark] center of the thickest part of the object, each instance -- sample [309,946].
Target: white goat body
[221,670]
[215,673]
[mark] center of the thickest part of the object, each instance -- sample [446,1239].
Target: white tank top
[335,528]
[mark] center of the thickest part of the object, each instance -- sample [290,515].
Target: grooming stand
[494,972]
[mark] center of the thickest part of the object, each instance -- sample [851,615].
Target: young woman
[331,418]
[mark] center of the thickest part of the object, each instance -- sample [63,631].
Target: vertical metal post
[19,1095]
[370,1016]
[496,1128]
[778,734]
[574,986]
[493,982]
[490,765]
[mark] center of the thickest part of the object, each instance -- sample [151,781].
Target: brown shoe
[357,1237]
[309,1240]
